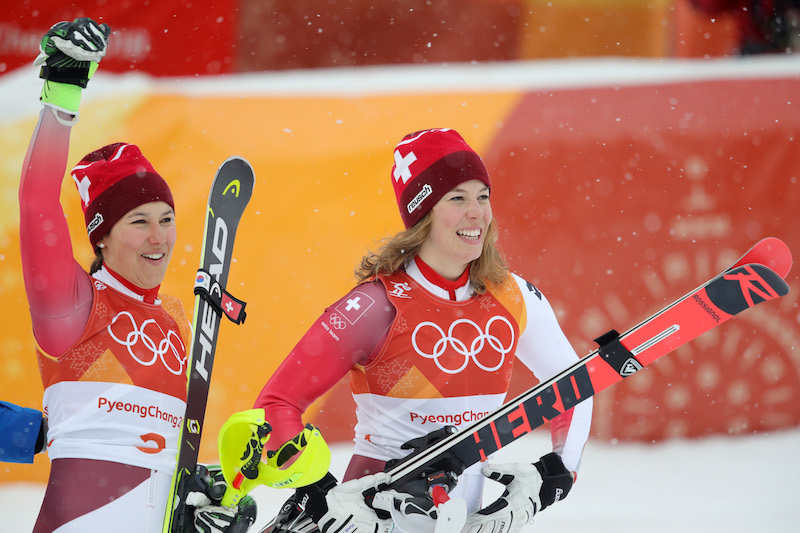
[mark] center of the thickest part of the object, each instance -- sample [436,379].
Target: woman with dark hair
[111,348]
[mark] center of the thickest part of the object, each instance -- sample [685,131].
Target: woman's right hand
[70,53]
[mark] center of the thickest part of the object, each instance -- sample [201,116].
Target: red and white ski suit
[423,352]
[113,364]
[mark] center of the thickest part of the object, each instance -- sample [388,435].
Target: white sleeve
[545,350]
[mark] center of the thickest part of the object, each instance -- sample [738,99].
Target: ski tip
[781,256]
[772,253]
[236,158]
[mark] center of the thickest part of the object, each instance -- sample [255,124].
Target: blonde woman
[430,333]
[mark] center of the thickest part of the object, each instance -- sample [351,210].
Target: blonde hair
[394,252]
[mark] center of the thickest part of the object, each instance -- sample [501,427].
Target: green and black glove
[70,53]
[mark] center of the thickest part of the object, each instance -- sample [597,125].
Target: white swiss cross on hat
[83,187]
[402,170]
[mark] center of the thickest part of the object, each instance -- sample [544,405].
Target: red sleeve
[342,337]
[59,291]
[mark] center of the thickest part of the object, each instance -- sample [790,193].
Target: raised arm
[59,291]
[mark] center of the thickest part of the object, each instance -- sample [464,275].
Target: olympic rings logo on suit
[458,345]
[337,322]
[138,336]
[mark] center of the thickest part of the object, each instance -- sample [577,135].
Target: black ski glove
[556,479]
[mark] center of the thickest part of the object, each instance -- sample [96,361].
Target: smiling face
[139,246]
[458,228]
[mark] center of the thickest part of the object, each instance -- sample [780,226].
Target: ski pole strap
[221,300]
[616,355]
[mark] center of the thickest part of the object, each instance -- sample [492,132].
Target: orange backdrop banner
[618,188]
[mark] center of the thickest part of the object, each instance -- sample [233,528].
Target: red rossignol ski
[753,279]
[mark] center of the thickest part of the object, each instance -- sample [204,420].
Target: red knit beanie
[112,181]
[428,164]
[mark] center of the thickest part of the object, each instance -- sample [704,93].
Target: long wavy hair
[395,251]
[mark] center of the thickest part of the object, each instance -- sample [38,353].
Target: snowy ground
[731,485]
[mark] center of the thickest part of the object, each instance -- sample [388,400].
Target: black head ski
[230,194]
